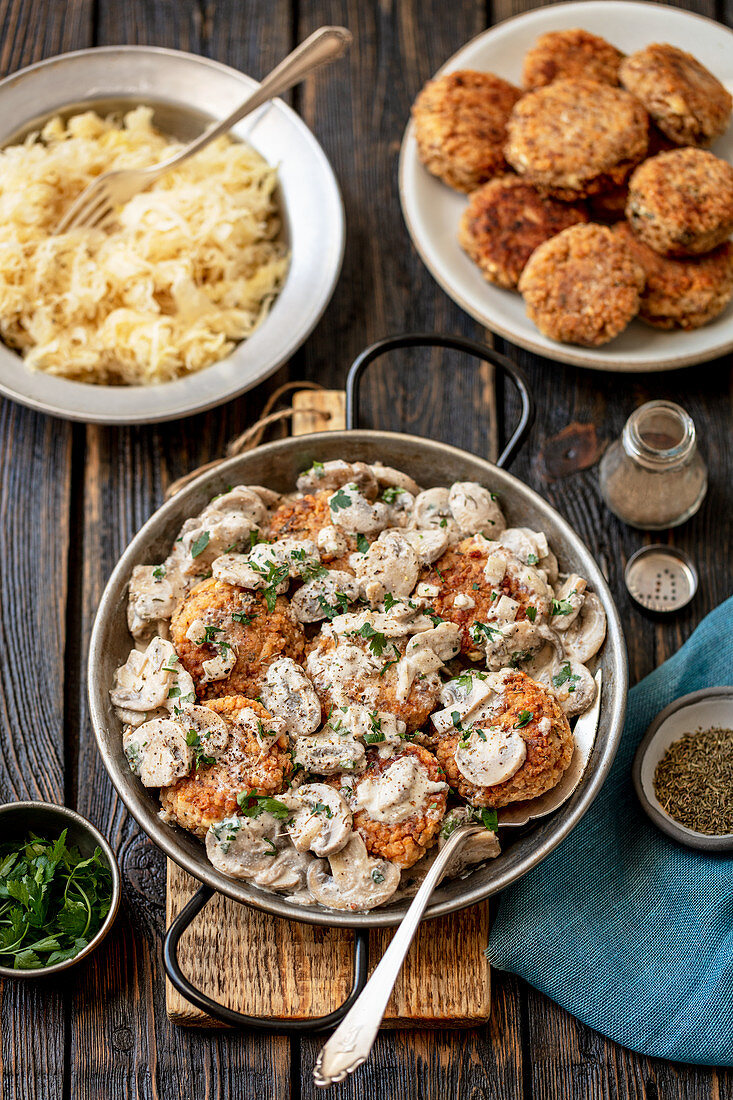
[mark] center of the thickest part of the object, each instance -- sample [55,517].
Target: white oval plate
[432,210]
[190,90]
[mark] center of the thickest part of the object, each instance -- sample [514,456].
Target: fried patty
[505,221]
[460,126]
[209,793]
[460,573]
[303,518]
[402,842]
[681,202]
[549,745]
[583,286]
[681,293]
[686,101]
[263,637]
[575,138]
[572,54]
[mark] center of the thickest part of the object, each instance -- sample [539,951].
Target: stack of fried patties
[592,191]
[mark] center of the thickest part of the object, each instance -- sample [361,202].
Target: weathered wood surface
[71,498]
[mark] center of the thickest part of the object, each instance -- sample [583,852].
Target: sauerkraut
[191,265]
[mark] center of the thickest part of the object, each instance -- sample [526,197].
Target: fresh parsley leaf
[481,632]
[362,544]
[490,819]
[525,717]
[322,808]
[566,676]
[243,618]
[253,804]
[332,610]
[339,500]
[377,876]
[532,559]
[531,613]
[561,607]
[200,544]
[389,601]
[159,572]
[389,496]
[377,640]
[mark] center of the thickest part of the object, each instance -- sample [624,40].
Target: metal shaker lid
[661,578]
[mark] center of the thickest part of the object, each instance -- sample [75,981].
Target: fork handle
[320,48]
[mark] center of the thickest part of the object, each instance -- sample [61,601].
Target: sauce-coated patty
[547,736]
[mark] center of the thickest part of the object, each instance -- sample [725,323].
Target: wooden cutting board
[264,966]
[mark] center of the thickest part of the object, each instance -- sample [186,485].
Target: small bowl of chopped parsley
[59,889]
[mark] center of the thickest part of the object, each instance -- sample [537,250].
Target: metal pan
[277,465]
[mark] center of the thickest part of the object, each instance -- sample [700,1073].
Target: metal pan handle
[237,1019]
[456,343]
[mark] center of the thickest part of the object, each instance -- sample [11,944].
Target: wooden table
[71,498]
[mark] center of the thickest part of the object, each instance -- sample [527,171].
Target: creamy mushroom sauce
[341,710]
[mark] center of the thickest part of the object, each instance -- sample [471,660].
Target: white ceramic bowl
[711,708]
[432,210]
[187,92]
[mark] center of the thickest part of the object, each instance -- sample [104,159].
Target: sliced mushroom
[569,596]
[210,728]
[143,682]
[426,653]
[511,643]
[332,541]
[388,476]
[244,847]
[151,598]
[268,564]
[401,504]
[429,544]
[586,635]
[321,821]
[378,728]
[389,565]
[325,595]
[531,548]
[164,754]
[474,509]
[269,497]
[469,697]
[357,882]
[334,474]
[328,752]
[288,693]
[432,509]
[397,793]
[486,755]
[181,693]
[354,512]
[226,522]
[570,682]
[477,848]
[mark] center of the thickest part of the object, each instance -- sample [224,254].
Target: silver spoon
[352,1041]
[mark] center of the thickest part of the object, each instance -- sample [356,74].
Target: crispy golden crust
[460,126]
[402,842]
[548,752]
[571,54]
[575,138]
[210,793]
[681,202]
[460,571]
[505,221]
[414,710]
[686,101]
[303,518]
[583,286]
[270,635]
[684,293]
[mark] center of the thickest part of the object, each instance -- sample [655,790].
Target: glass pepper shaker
[653,476]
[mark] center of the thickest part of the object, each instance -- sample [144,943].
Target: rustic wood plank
[121,1039]
[35,493]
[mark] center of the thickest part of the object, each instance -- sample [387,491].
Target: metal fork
[98,203]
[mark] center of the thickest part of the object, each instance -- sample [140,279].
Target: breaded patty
[460,126]
[401,842]
[681,202]
[367,681]
[546,734]
[681,293]
[209,793]
[459,575]
[304,518]
[572,54]
[505,221]
[575,138]
[260,639]
[582,287]
[687,102]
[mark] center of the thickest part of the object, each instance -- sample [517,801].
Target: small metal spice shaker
[653,476]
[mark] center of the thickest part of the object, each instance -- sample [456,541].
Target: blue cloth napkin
[623,927]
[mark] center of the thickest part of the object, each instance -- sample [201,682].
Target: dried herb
[694,781]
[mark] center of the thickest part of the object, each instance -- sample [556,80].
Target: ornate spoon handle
[351,1042]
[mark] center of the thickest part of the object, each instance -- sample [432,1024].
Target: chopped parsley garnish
[561,607]
[321,808]
[243,618]
[525,717]
[489,819]
[532,559]
[444,522]
[200,757]
[310,568]
[316,469]
[377,876]
[253,804]
[159,572]
[274,575]
[565,676]
[389,496]
[377,640]
[200,544]
[362,544]
[433,615]
[273,846]
[394,661]
[209,636]
[531,613]
[475,586]
[374,738]
[389,601]
[466,679]
[53,901]
[332,610]
[339,500]
[483,631]
[455,716]
[255,537]
[174,692]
